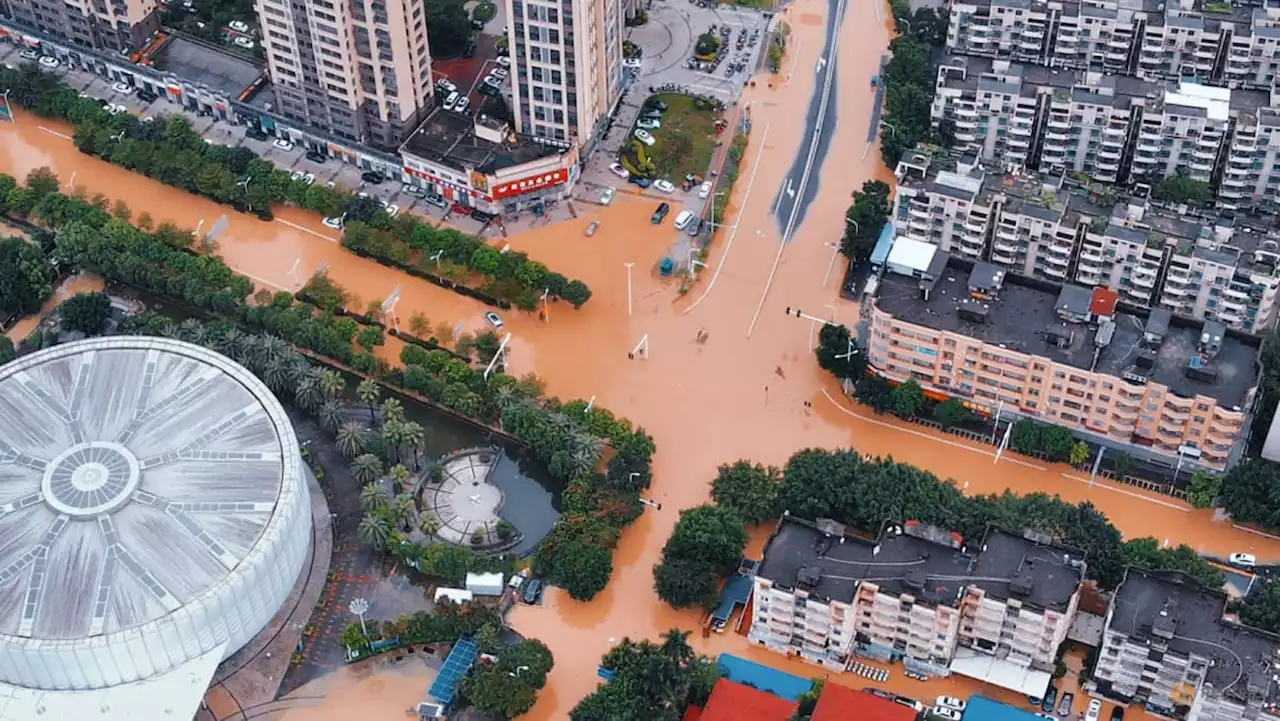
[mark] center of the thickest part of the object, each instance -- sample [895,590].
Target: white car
[493,319]
[632,62]
[947,713]
[1242,560]
[492,82]
[243,42]
[704,190]
[619,171]
[504,61]
[643,136]
[1094,711]
[461,105]
[499,73]
[649,123]
[950,702]
[607,196]
[451,100]
[29,54]
[122,87]
[309,178]
[664,186]
[282,144]
[296,175]
[49,61]
[445,86]
[410,189]
[239,26]
[334,222]
[392,211]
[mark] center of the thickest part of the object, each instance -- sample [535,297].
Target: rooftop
[839,703]
[731,701]
[907,561]
[450,139]
[1019,320]
[981,708]
[1241,656]
[206,65]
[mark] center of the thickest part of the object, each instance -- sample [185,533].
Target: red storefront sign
[528,185]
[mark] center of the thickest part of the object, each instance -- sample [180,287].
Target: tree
[488,639]
[1204,488]
[392,411]
[706,543]
[1261,608]
[950,412]
[414,436]
[684,582]
[366,468]
[651,682]
[907,399]
[26,278]
[863,220]
[373,499]
[448,27]
[368,392]
[582,570]
[86,313]
[531,657]
[330,415]
[1182,188]
[350,440]
[497,693]
[838,355]
[1079,453]
[1147,553]
[7,351]
[375,530]
[750,490]
[1251,493]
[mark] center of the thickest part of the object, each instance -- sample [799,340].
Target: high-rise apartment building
[996,613]
[360,70]
[119,25]
[566,67]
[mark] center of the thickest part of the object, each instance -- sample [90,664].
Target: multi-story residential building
[1168,645]
[996,613]
[1232,44]
[360,70]
[566,62]
[119,25]
[1055,229]
[1064,355]
[1251,175]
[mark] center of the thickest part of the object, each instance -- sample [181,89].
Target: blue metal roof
[769,680]
[885,243]
[735,591]
[981,708]
[461,656]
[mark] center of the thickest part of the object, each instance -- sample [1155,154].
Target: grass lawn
[685,141]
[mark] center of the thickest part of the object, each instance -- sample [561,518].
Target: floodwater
[741,392]
[72,285]
[374,691]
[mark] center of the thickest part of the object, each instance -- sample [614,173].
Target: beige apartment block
[120,25]
[566,67]
[1175,391]
[360,70]
[917,595]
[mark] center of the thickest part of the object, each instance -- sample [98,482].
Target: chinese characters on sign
[528,185]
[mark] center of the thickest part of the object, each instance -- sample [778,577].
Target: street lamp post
[892,130]
[713,210]
[359,607]
[628,265]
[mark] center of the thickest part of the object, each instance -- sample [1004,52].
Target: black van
[660,213]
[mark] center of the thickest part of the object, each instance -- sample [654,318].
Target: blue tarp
[981,708]
[461,656]
[778,683]
[883,246]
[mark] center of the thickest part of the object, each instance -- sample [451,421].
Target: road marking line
[921,434]
[54,132]
[1255,531]
[255,278]
[1106,486]
[305,229]
[755,165]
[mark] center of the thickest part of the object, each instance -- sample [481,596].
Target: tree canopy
[1250,492]
[837,355]
[1261,608]
[707,543]
[509,688]
[26,278]
[448,27]
[863,220]
[748,489]
[651,682]
[87,313]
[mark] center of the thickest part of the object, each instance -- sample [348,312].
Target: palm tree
[428,522]
[366,468]
[584,453]
[233,344]
[392,410]
[350,440]
[402,509]
[192,331]
[415,437]
[400,475]
[330,415]
[560,421]
[505,396]
[375,531]
[368,392]
[306,394]
[277,373]
[372,499]
[332,383]
[392,437]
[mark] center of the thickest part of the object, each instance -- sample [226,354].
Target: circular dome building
[153,511]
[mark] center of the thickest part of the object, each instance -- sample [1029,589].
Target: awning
[1000,672]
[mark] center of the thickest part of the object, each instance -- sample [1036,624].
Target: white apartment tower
[360,70]
[566,63]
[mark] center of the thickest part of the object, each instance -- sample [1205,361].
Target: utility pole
[628,265]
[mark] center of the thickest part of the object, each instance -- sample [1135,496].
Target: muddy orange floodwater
[742,392]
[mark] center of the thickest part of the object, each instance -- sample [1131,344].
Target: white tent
[457,595]
[485,584]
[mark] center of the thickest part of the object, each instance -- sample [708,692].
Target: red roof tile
[839,703]
[1103,302]
[693,713]
[731,701]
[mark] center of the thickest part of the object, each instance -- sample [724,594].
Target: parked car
[1049,697]
[492,82]
[486,89]
[1064,704]
[499,73]
[649,123]
[655,103]
[664,186]
[947,713]
[460,209]
[660,213]
[282,144]
[443,85]
[29,54]
[493,319]
[651,114]
[481,216]
[1094,710]
[410,189]
[334,221]
[463,103]
[619,171]
[532,591]
[644,136]
[1117,713]
[683,219]
[450,100]
[49,61]
[632,63]
[607,196]
[239,26]
[950,702]
[704,190]
[436,200]
[116,109]
[296,175]
[694,227]
[1242,560]
[504,61]
[243,42]
[372,178]
[122,87]
[638,181]
[147,96]
[316,156]
[392,210]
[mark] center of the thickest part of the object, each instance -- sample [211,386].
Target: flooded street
[741,393]
[73,285]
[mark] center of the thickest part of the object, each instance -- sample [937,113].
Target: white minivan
[683,219]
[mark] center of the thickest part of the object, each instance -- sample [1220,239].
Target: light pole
[516,673]
[835,250]
[359,607]
[293,272]
[892,130]
[436,258]
[906,22]
[628,265]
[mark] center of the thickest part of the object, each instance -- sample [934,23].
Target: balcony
[1172,291]
[1056,124]
[1053,271]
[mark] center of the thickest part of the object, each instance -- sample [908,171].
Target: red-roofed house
[731,701]
[839,703]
